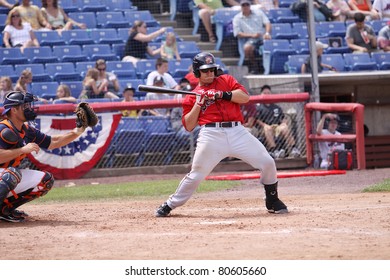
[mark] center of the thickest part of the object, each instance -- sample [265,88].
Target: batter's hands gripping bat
[163,90]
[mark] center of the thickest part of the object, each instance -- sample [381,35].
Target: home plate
[279,175]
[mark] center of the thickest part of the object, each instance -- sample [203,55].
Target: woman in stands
[63,95]
[5,87]
[18,34]
[364,7]
[57,17]
[137,44]
[113,83]
[90,88]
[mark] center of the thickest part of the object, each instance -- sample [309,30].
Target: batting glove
[218,94]
[200,99]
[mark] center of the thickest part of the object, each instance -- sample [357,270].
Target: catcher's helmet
[17,98]
[203,60]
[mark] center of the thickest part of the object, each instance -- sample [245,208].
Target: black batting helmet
[203,60]
[17,98]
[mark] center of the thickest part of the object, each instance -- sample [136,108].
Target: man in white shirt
[162,70]
[382,7]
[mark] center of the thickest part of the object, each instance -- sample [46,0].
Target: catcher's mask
[204,60]
[17,98]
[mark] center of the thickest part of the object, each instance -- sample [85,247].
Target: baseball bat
[163,90]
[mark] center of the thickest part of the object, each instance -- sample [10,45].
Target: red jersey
[216,110]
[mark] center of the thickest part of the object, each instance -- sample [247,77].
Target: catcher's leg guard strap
[46,183]
[9,179]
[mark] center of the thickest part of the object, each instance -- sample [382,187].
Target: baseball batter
[216,109]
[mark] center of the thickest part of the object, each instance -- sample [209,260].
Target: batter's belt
[223,124]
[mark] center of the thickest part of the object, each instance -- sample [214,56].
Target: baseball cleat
[163,211]
[19,213]
[10,218]
[275,206]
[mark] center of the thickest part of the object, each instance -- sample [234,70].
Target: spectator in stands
[90,88]
[361,37]
[299,8]
[275,128]
[364,7]
[5,87]
[137,44]
[113,83]
[158,82]
[207,9]
[384,38]
[33,15]
[63,94]
[340,9]
[162,70]
[266,5]
[254,27]
[381,8]
[128,96]
[57,18]
[169,48]
[5,4]
[24,81]
[18,34]
[306,67]
[327,147]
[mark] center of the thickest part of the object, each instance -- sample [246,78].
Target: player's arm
[58,141]
[10,154]
[191,119]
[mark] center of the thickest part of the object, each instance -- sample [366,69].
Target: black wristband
[227,95]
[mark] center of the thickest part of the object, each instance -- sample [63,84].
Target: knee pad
[10,178]
[46,183]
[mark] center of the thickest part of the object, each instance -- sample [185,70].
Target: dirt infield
[329,219]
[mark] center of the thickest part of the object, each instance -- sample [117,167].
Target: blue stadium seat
[359,62]
[275,55]
[378,24]
[120,5]
[144,67]
[123,70]
[336,45]
[222,18]
[3,18]
[40,55]
[71,53]
[111,20]
[118,50]
[105,36]
[300,45]
[8,71]
[123,33]
[294,63]
[282,15]
[134,83]
[188,49]
[75,87]
[62,71]
[336,60]
[153,46]
[93,5]
[382,59]
[88,18]
[283,31]
[44,89]
[331,29]
[301,29]
[144,15]
[70,6]
[38,72]
[12,56]
[77,37]
[179,69]
[83,66]
[49,38]
[99,51]
[285,3]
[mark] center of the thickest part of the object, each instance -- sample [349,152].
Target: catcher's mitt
[85,116]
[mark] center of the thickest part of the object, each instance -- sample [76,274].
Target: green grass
[381,187]
[126,190]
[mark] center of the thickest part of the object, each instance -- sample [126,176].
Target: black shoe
[275,206]
[19,213]
[10,218]
[163,211]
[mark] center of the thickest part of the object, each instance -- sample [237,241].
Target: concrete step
[183,31]
[206,46]
[195,38]
[230,61]
[168,23]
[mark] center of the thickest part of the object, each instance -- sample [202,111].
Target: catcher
[17,139]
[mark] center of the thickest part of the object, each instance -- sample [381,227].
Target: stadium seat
[134,83]
[222,18]
[153,46]
[123,33]
[12,56]
[283,31]
[40,55]
[3,18]
[49,38]
[8,71]
[336,45]
[382,59]
[179,69]
[123,70]
[300,45]
[285,3]
[62,71]
[336,60]
[83,66]
[47,89]
[275,55]
[38,72]
[359,62]
[378,24]
[282,15]
[188,49]
[92,5]
[75,87]
[301,29]
[144,15]
[331,29]
[120,5]
[111,20]
[118,50]
[71,53]
[294,63]
[70,6]
[144,67]
[88,18]
[77,37]
[105,36]
[99,51]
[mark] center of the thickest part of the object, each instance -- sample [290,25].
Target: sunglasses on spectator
[245,4]
[207,70]
[15,16]
[102,69]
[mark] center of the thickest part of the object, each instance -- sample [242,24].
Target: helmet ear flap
[197,74]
